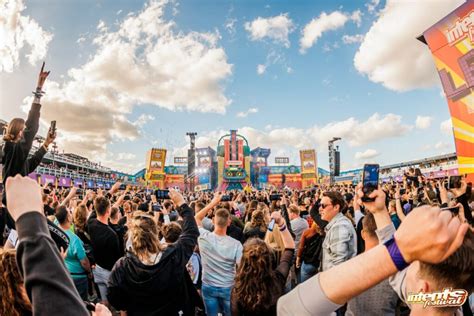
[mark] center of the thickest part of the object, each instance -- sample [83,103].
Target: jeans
[101,277]
[307,271]
[216,299]
[82,286]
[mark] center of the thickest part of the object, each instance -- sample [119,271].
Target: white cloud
[423,122]
[354,132]
[446,127]
[143,119]
[356,16]
[325,22]
[17,32]
[261,69]
[126,156]
[230,26]
[368,154]
[372,6]
[391,54]
[276,28]
[81,40]
[352,39]
[442,145]
[144,61]
[246,113]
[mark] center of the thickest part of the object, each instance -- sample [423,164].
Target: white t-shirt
[219,257]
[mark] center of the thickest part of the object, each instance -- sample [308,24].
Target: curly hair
[255,287]
[143,232]
[258,220]
[79,218]
[14,301]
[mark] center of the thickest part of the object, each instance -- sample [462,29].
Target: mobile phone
[403,191]
[370,181]
[89,306]
[275,197]
[225,198]
[162,194]
[454,182]
[271,225]
[453,209]
[53,127]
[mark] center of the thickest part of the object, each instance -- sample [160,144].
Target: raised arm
[38,258]
[32,122]
[115,187]
[188,238]
[71,194]
[398,205]
[427,234]
[202,213]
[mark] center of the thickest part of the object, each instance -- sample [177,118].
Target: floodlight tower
[191,159]
[334,159]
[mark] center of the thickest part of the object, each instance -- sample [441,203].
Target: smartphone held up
[370,181]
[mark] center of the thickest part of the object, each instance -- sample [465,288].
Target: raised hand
[429,235]
[23,196]
[378,205]
[42,77]
[176,197]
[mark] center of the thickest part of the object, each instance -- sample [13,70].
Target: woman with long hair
[152,279]
[14,300]
[261,278]
[310,251]
[257,227]
[19,136]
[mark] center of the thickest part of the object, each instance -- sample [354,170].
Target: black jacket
[161,289]
[15,155]
[47,282]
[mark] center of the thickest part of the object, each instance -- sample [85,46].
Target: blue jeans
[307,271]
[81,285]
[101,277]
[216,299]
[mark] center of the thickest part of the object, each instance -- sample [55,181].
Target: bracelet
[38,93]
[395,254]
[282,227]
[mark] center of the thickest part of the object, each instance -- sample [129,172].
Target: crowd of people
[279,251]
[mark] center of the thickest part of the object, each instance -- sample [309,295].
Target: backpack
[312,250]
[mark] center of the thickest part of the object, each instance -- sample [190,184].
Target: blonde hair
[143,233]
[275,241]
[13,129]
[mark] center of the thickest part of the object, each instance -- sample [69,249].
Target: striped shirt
[340,243]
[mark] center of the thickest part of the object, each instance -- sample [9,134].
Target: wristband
[282,227]
[395,254]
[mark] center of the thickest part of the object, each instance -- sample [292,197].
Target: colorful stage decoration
[451,42]
[155,168]
[309,168]
[233,160]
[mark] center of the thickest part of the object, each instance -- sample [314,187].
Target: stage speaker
[337,167]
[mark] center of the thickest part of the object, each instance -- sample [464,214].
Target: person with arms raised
[48,285]
[220,255]
[152,278]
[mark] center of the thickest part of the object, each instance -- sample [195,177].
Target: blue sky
[131,75]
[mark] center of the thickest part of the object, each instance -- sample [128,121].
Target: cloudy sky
[289,75]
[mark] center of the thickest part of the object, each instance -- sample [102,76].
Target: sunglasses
[324,205]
